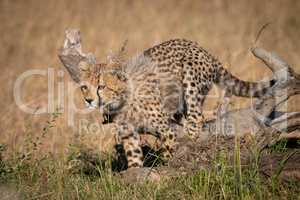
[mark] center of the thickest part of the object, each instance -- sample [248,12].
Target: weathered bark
[266,108]
[71,54]
[263,120]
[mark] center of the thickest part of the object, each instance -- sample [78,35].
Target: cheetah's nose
[89,101]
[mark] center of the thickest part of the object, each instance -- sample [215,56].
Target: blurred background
[32,31]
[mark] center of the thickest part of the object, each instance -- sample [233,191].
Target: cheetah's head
[102,86]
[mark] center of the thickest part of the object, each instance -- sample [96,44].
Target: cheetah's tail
[238,87]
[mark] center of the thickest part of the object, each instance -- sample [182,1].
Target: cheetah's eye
[84,88]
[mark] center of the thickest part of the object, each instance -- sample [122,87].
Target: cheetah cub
[164,83]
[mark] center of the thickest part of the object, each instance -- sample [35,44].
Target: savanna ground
[35,148]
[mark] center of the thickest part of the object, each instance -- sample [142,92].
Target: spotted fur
[166,81]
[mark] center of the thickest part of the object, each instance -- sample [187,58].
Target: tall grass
[49,178]
[84,174]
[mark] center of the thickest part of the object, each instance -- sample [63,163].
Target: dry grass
[32,32]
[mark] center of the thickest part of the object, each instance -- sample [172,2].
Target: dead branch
[293,135]
[266,108]
[71,54]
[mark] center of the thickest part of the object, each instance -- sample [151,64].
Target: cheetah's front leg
[130,140]
[168,142]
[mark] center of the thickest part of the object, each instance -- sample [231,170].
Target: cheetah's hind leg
[222,105]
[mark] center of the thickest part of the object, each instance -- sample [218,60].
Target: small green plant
[33,144]
[82,159]
[4,170]
[280,146]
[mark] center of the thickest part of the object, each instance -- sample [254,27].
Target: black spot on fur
[127,136]
[129,153]
[134,165]
[137,151]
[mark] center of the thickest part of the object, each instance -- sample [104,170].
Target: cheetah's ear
[118,57]
[85,69]
[120,74]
